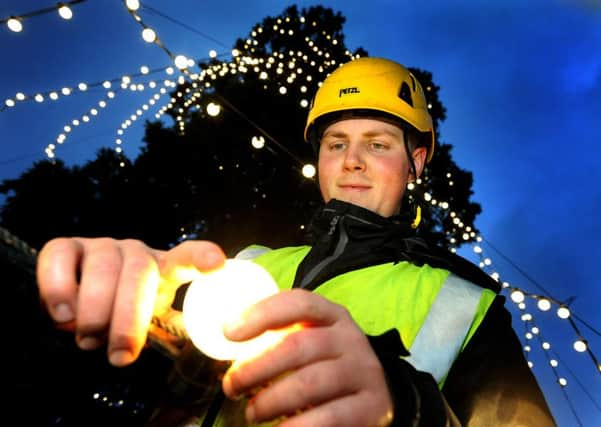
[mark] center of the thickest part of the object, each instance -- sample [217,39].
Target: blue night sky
[521,81]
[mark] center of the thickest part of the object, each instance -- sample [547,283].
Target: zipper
[340,246]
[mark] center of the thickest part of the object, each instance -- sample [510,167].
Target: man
[396,332]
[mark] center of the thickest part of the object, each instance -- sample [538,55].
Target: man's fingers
[304,388]
[100,270]
[201,255]
[284,309]
[299,348]
[57,277]
[139,281]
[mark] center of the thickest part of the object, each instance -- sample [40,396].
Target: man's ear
[419,160]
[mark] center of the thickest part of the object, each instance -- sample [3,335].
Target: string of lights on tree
[278,71]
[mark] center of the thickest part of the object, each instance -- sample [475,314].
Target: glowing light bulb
[220,296]
[65,12]
[544,304]
[580,345]
[258,142]
[14,24]
[517,296]
[563,312]
[149,35]
[213,109]
[132,4]
[181,62]
[309,171]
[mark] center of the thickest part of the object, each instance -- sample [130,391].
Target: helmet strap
[409,154]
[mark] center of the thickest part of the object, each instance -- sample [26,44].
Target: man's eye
[377,146]
[337,145]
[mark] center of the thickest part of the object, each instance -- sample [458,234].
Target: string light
[65,11]
[15,22]
[132,5]
[149,35]
[309,171]
[258,142]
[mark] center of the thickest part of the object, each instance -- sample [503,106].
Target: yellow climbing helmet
[373,85]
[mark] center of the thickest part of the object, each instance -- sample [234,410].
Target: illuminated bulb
[258,142]
[517,296]
[527,348]
[132,4]
[477,249]
[20,96]
[181,62]
[526,317]
[39,97]
[144,69]
[309,171]
[14,24]
[544,304]
[535,330]
[553,363]
[580,345]
[546,345]
[9,103]
[223,295]
[65,12]
[563,312]
[562,382]
[212,53]
[149,35]
[213,109]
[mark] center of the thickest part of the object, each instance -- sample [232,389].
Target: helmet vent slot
[405,94]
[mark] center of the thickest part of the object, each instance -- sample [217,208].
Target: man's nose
[353,159]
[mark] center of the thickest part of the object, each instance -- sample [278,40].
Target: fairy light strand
[15,22]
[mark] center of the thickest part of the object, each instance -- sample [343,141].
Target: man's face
[363,161]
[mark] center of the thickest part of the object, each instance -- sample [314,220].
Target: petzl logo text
[347,91]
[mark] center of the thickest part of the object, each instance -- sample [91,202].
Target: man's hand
[323,374]
[107,290]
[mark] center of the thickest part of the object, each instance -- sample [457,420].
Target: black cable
[514,265]
[566,366]
[187,27]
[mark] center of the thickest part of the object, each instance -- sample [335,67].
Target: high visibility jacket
[434,320]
